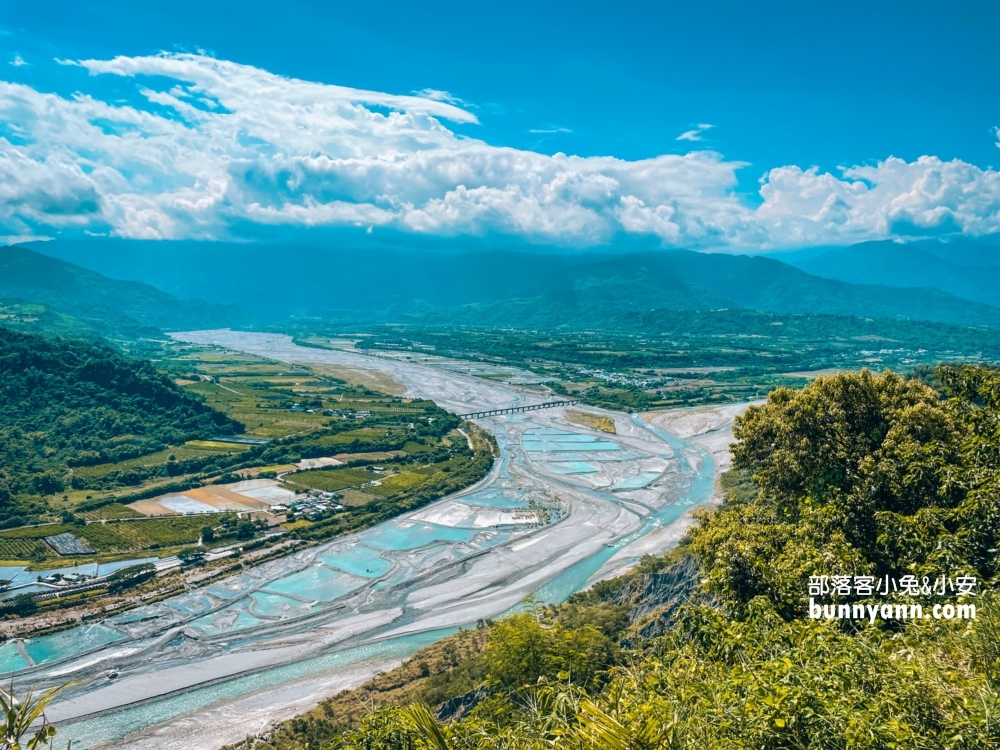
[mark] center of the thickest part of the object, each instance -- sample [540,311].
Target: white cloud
[213,144]
[695,134]
[438,95]
[17,62]
[550,130]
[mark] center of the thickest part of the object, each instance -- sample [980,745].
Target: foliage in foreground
[873,473]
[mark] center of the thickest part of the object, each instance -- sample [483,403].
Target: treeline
[855,475]
[432,422]
[466,468]
[70,403]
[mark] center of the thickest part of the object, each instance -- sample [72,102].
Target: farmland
[111,537]
[287,413]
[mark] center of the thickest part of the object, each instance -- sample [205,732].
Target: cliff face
[655,599]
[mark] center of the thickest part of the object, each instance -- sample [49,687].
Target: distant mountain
[108,306]
[362,280]
[596,294]
[964,269]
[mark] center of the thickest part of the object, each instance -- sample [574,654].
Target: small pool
[403,535]
[11,659]
[191,604]
[70,643]
[357,560]
[572,467]
[639,481]
[276,606]
[318,583]
[234,617]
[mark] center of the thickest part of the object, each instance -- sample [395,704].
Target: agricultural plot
[191,449]
[329,480]
[154,533]
[23,549]
[68,544]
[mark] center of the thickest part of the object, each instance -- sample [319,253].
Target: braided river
[218,663]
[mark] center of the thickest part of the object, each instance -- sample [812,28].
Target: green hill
[67,403]
[107,306]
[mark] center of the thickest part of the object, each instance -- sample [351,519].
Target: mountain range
[109,307]
[964,269]
[246,284]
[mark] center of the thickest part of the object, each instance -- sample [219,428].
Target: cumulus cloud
[213,144]
[17,62]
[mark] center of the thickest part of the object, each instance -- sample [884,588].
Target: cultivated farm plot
[403,482]
[22,549]
[189,450]
[107,512]
[330,480]
[154,533]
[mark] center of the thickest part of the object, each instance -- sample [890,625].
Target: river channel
[215,664]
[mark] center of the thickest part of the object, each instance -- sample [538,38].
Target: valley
[334,614]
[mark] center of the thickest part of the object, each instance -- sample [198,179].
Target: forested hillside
[856,475]
[66,403]
[111,307]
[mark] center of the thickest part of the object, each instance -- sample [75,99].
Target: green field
[114,536]
[329,480]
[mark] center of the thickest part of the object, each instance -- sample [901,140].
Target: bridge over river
[214,664]
[517,409]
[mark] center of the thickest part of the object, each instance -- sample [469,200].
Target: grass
[21,550]
[119,535]
[155,533]
[203,447]
[399,483]
[593,421]
[107,512]
[191,449]
[330,480]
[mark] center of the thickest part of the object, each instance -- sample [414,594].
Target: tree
[191,556]
[207,534]
[133,575]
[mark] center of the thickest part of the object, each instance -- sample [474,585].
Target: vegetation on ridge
[857,473]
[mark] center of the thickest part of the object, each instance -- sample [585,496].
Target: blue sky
[784,86]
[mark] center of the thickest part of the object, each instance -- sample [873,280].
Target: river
[213,665]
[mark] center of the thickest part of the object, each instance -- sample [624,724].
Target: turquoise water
[496,499]
[191,604]
[277,606]
[393,536]
[321,583]
[572,467]
[537,446]
[357,560]
[318,583]
[70,642]
[93,732]
[232,618]
[575,578]
[638,481]
[11,659]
